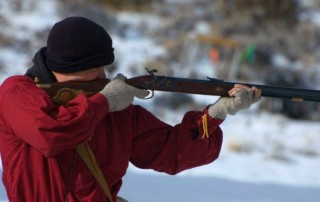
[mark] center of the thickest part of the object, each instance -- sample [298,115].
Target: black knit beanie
[76,44]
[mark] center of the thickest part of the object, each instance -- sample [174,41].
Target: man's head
[77,44]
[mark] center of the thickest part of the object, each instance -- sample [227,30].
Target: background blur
[271,152]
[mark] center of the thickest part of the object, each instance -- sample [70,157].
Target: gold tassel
[204,119]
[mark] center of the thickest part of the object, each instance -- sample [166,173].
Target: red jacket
[38,137]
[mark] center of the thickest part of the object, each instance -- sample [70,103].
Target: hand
[241,97]
[120,95]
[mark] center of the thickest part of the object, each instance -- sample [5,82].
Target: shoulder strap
[85,152]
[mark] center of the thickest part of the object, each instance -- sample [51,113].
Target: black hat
[76,44]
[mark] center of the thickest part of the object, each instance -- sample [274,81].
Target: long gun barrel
[210,86]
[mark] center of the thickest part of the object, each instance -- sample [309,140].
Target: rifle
[152,82]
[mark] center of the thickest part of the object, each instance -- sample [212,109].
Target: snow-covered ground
[265,157]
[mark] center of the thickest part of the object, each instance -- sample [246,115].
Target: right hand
[120,95]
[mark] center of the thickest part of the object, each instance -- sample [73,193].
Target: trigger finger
[141,93]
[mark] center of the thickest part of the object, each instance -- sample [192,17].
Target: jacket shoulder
[14,83]
[14,80]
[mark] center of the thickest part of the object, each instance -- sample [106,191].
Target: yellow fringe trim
[204,119]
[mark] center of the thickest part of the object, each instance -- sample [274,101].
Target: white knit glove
[120,95]
[242,97]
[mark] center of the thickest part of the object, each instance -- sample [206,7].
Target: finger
[232,92]
[236,88]
[256,93]
[242,86]
[140,93]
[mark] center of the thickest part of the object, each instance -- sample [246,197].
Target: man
[39,139]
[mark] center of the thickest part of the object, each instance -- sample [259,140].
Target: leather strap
[85,152]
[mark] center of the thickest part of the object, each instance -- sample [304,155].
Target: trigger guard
[151,95]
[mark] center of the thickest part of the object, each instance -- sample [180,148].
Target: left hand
[241,97]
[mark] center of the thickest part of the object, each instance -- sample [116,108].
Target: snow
[207,189]
[136,52]
[265,157]
[28,16]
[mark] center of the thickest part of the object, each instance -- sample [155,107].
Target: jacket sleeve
[49,128]
[194,142]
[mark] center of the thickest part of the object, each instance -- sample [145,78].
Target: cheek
[88,76]
[101,74]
